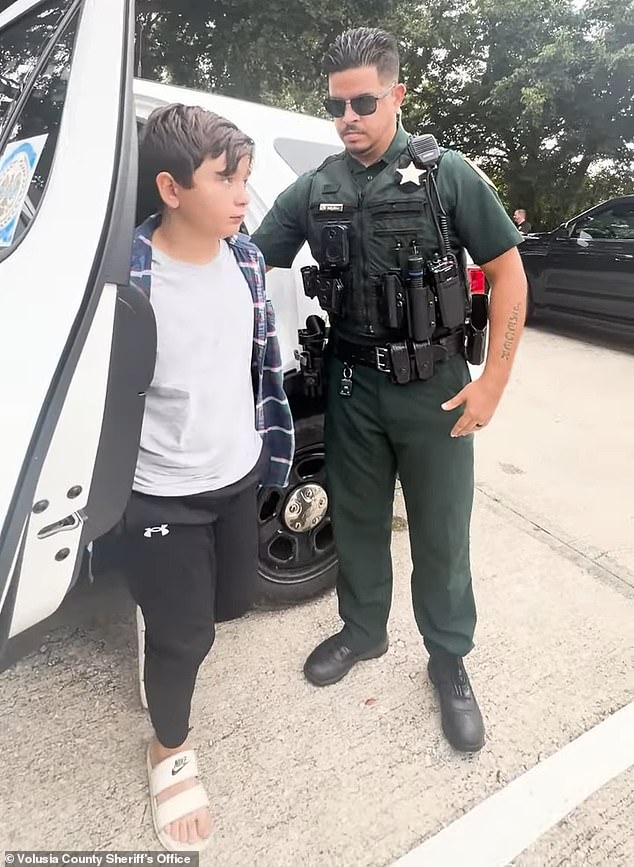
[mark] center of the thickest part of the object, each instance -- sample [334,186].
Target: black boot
[461,718]
[333,659]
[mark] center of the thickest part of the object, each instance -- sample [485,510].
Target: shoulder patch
[479,172]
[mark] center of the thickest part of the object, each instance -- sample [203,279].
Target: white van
[77,342]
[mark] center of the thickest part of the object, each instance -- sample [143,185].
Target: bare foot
[196,826]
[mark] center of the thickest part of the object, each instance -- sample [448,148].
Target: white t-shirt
[199,425]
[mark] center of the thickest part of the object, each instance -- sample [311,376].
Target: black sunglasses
[362,105]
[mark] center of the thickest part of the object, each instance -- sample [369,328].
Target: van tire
[295,566]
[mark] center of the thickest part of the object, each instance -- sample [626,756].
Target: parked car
[584,269]
[77,342]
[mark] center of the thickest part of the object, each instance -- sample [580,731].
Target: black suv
[585,268]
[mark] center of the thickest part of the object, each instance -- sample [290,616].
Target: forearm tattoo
[511,333]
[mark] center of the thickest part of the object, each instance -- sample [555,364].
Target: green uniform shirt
[476,215]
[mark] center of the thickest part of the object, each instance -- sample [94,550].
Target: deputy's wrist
[494,378]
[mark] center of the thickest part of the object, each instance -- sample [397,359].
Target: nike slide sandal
[181,766]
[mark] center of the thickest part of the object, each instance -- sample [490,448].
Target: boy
[217,423]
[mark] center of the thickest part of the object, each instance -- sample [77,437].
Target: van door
[77,343]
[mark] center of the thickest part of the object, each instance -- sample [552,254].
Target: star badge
[410,174]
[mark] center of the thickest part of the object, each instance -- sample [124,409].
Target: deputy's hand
[480,399]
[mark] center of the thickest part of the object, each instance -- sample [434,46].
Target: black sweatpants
[190,562]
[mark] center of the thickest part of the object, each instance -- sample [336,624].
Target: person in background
[519,217]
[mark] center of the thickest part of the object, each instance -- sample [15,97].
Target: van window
[21,44]
[25,163]
[303,156]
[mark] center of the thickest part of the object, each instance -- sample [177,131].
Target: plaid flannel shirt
[273,419]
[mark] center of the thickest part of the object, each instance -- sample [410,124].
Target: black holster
[326,286]
[477,329]
[311,359]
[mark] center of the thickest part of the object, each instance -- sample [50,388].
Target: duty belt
[405,361]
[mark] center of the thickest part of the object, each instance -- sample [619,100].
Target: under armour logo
[150,531]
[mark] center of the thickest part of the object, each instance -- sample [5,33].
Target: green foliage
[540,93]
[537,92]
[266,52]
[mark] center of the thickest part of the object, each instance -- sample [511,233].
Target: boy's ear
[167,189]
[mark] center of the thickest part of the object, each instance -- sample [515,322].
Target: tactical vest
[382,219]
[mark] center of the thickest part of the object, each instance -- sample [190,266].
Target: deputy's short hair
[178,138]
[364,46]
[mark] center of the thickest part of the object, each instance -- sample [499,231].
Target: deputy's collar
[398,145]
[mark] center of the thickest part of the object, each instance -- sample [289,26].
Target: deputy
[387,221]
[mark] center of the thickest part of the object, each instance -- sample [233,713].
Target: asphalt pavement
[359,773]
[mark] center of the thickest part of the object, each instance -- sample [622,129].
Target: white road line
[500,828]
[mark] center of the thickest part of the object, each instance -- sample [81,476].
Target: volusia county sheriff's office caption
[101,859]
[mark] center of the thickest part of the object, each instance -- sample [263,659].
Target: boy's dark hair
[179,138]
[364,46]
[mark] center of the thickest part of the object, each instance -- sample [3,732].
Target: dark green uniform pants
[380,430]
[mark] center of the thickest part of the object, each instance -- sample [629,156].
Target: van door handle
[70,522]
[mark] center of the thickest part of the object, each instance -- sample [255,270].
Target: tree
[261,52]
[539,93]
